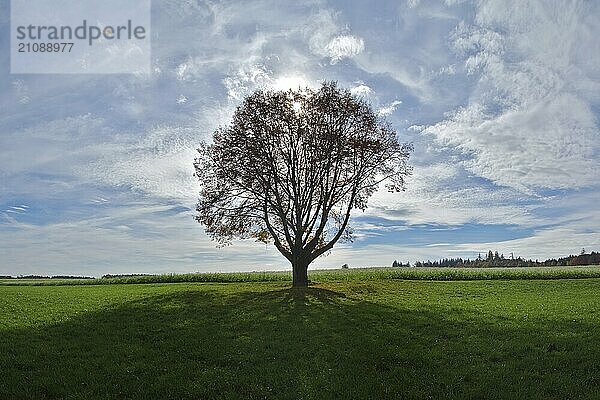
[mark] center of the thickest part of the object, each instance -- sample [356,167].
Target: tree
[290,168]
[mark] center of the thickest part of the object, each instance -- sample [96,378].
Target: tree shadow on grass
[293,343]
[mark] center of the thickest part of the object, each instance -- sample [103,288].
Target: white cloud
[321,29]
[128,239]
[345,46]
[158,164]
[389,108]
[436,195]
[328,39]
[362,90]
[528,124]
[247,78]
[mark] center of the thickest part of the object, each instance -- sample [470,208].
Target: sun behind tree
[291,167]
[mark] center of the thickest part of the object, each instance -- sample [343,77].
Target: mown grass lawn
[528,339]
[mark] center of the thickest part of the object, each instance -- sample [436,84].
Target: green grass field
[344,338]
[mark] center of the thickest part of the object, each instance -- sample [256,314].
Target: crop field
[337,275]
[354,336]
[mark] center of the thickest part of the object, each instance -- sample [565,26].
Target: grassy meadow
[351,337]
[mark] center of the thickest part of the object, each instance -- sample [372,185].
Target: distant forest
[494,259]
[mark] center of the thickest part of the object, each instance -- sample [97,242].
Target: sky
[501,99]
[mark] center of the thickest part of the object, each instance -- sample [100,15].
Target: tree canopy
[290,168]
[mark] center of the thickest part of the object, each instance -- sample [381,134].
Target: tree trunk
[299,273]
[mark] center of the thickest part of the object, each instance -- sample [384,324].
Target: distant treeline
[45,277]
[494,259]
